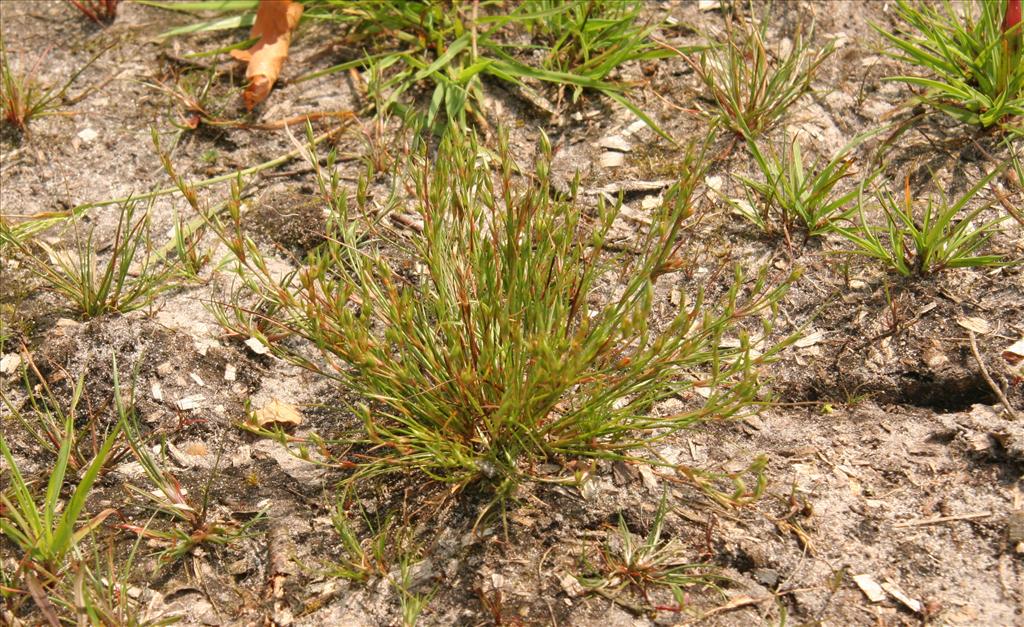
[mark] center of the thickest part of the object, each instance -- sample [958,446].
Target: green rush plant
[47,531]
[972,58]
[129,280]
[640,564]
[452,50]
[753,87]
[520,337]
[794,195]
[389,551]
[46,420]
[940,235]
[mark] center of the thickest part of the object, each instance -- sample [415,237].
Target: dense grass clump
[513,336]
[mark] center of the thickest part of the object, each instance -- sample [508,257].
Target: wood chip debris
[1014,354]
[611,159]
[912,604]
[615,142]
[810,339]
[934,520]
[972,323]
[9,363]
[190,402]
[256,346]
[230,372]
[649,479]
[629,187]
[870,588]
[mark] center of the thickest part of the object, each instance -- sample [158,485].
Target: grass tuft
[794,194]
[129,280]
[493,349]
[974,61]
[942,235]
[753,87]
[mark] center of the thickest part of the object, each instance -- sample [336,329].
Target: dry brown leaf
[1014,354]
[278,413]
[275,20]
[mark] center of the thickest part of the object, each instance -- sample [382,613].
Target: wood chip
[912,604]
[611,159]
[230,372]
[810,339]
[1014,354]
[9,363]
[648,477]
[256,346]
[972,323]
[190,402]
[615,142]
[631,187]
[870,588]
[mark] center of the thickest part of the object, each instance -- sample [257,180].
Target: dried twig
[988,378]
[934,520]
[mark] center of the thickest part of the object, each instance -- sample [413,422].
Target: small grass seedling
[753,87]
[194,526]
[942,235]
[591,36]
[974,61]
[389,552]
[129,280]
[640,565]
[48,419]
[23,97]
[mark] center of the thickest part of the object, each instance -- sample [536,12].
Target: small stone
[87,135]
[230,372]
[768,577]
